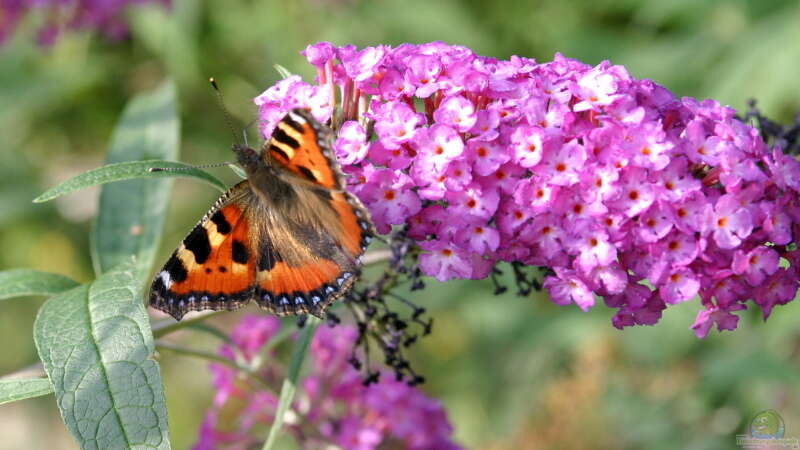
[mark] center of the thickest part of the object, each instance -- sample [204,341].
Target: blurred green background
[512,372]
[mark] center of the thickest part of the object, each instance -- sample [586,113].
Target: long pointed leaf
[95,345]
[13,390]
[289,386]
[131,214]
[22,282]
[128,171]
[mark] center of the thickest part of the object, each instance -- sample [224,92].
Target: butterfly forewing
[214,268]
[302,146]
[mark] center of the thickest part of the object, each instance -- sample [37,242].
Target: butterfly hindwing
[214,267]
[301,270]
[354,220]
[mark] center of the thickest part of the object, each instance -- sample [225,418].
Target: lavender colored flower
[613,184]
[333,406]
[107,17]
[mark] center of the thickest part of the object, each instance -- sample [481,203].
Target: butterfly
[289,237]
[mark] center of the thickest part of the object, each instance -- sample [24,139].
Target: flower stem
[161,345]
[290,382]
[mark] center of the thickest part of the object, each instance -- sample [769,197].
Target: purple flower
[592,247]
[320,53]
[107,17]
[437,146]
[527,143]
[351,146]
[756,265]
[606,180]
[395,123]
[444,262]
[247,339]
[724,319]
[390,198]
[568,288]
[457,112]
[730,222]
[333,407]
[778,289]
[679,286]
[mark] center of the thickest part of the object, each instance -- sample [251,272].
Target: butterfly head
[248,158]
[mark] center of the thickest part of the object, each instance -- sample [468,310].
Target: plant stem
[161,345]
[167,326]
[290,382]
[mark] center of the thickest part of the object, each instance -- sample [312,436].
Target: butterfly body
[289,237]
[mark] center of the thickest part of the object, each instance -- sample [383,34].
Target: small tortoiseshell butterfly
[289,236]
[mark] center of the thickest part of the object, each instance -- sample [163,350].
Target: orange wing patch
[354,222]
[303,275]
[300,145]
[216,255]
[306,289]
[214,268]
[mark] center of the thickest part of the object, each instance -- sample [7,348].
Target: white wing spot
[165,278]
[296,118]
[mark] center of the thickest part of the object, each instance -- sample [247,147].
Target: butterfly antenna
[228,121]
[244,131]
[182,169]
[228,117]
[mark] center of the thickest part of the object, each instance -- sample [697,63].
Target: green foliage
[131,215]
[20,389]
[127,171]
[23,282]
[95,340]
[95,343]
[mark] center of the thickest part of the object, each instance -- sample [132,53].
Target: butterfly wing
[215,267]
[310,254]
[302,146]
[304,266]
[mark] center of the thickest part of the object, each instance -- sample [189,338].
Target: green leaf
[283,71]
[131,215]
[22,282]
[95,345]
[13,390]
[289,385]
[128,171]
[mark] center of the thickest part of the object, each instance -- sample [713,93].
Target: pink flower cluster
[623,190]
[106,16]
[334,406]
